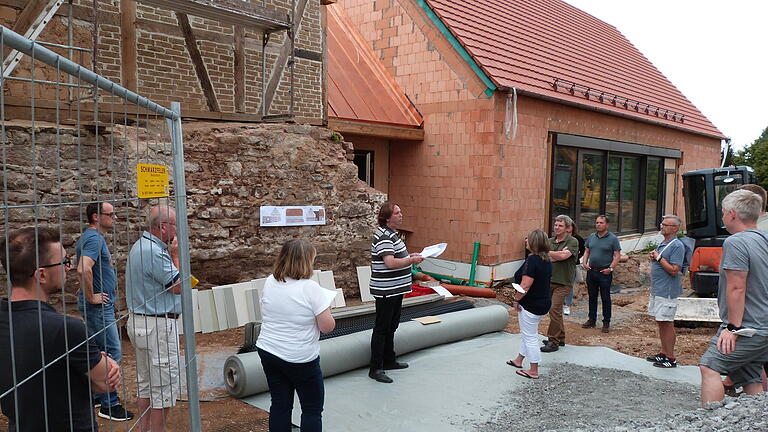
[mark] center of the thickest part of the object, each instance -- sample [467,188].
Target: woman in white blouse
[295,310]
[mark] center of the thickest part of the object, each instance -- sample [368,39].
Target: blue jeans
[598,282]
[283,378]
[98,317]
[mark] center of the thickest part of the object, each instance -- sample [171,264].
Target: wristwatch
[611,269]
[732,328]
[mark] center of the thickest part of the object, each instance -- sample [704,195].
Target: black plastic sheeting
[345,326]
[360,323]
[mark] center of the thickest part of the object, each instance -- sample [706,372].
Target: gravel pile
[745,413]
[570,397]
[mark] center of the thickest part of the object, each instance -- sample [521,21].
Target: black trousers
[383,338]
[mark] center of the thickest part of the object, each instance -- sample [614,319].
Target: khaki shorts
[156,344]
[662,308]
[744,365]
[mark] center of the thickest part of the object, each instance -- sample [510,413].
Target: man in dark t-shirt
[59,396]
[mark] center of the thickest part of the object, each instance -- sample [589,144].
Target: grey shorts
[662,308]
[744,365]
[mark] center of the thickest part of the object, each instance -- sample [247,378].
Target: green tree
[756,156]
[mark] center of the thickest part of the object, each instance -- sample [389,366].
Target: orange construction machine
[704,191]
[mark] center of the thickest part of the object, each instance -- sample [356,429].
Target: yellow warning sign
[152,180]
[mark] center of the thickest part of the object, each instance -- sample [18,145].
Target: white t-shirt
[288,310]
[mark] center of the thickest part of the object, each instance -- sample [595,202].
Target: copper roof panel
[359,86]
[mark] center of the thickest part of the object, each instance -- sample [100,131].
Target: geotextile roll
[244,376]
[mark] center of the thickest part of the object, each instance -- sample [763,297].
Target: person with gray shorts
[666,287]
[740,347]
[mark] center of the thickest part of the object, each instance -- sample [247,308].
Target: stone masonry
[231,170]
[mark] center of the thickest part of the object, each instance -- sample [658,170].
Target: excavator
[704,191]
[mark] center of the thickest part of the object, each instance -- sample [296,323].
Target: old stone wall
[165,72]
[231,170]
[234,169]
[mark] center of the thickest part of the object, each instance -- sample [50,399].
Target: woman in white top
[295,309]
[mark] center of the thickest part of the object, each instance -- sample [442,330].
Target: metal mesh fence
[95,247]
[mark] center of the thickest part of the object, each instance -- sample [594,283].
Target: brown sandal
[512,363]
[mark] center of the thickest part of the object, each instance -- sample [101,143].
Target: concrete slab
[326,280]
[364,281]
[252,298]
[241,307]
[220,304]
[196,311]
[697,309]
[209,322]
[450,384]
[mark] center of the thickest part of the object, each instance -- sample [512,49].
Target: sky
[713,51]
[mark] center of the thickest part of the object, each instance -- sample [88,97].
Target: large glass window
[564,183]
[613,192]
[630,194]
[591,189]
[652,193]
[625,187]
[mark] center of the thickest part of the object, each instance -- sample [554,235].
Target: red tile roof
[359,86]
[527,44]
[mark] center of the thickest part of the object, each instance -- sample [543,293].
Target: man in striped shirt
[390,280]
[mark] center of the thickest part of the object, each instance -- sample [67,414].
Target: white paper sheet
[434,250]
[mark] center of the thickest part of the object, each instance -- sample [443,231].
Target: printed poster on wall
[291,215]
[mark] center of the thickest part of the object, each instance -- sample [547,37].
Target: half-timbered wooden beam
[197,62]
[239,66]
[128,55]
[282,59]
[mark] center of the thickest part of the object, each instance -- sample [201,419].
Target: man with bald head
[154,301]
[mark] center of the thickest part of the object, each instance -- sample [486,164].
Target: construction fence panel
[70,139]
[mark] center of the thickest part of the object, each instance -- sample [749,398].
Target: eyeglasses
[110,215]
[66,262]
[668,225]
[170,223]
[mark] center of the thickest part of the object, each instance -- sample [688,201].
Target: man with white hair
[666,287]
[740,347]
[154,301]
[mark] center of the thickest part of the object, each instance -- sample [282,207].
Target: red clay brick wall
[165,70]
[466,182]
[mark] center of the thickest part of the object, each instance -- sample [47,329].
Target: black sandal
[512,363]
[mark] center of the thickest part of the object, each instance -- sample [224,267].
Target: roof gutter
[607,111]
[490,86]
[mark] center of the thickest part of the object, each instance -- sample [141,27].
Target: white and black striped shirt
[385,281]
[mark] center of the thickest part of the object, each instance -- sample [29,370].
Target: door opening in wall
[364,159]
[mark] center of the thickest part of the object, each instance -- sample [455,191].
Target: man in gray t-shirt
[743,302]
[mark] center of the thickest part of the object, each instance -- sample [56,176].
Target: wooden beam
[282,58]
[128,44]
[376,130]
[28,15]
[239,66]
[197,62]
[324,65]
[227,11]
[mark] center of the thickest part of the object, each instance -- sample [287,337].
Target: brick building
[143,47]
[531,109]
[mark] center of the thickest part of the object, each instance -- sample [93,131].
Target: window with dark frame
[364,159]
[628,188]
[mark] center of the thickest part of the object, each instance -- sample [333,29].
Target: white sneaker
[566,310]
